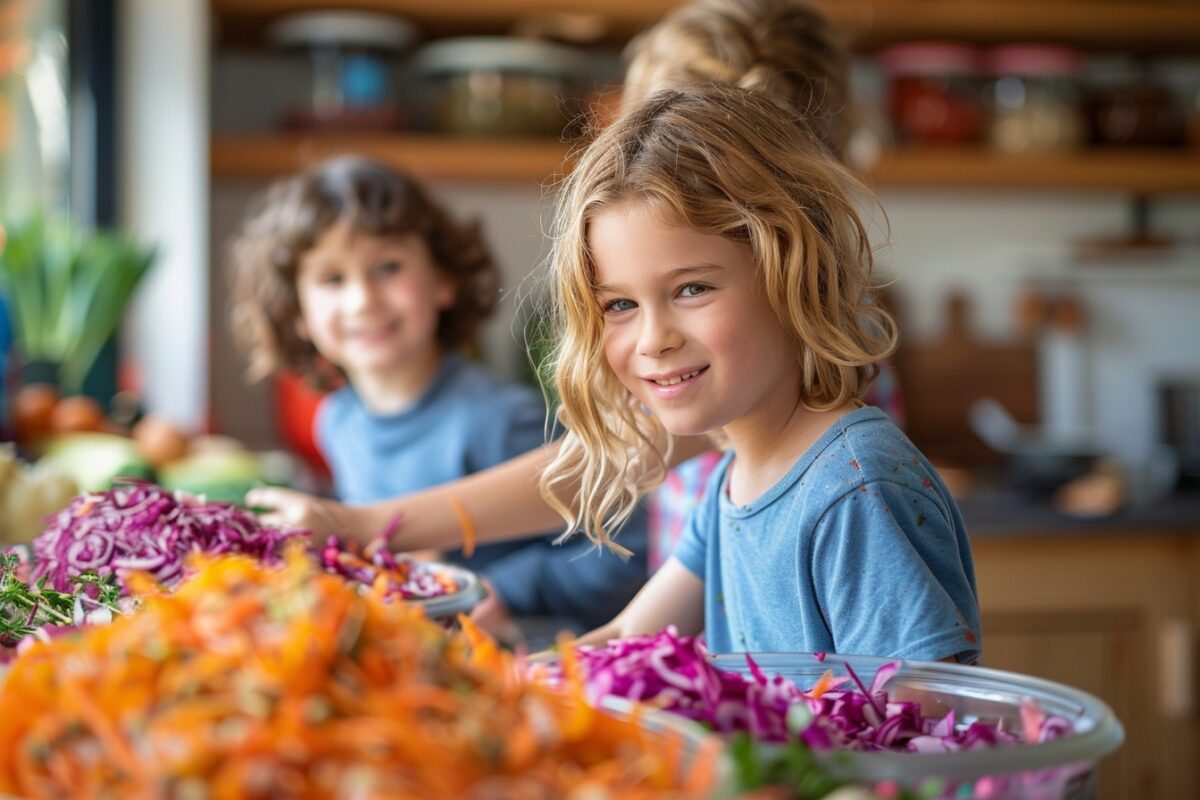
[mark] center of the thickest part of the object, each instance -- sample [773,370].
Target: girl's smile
[669,386]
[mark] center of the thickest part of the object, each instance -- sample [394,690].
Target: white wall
[1142,313]
[164,161]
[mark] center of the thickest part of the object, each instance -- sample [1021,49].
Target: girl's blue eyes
[619,305]
[687,290]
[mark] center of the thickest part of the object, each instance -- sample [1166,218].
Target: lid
[498,54]
[341,28]
[1034,60]
[929,58]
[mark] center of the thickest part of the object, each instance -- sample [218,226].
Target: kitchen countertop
[995,511]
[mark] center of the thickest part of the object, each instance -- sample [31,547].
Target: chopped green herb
[24,607]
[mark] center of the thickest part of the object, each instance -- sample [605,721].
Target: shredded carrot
[253,681]
[465,523]
[822,686]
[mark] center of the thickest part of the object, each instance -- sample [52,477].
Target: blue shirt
[858,549]
[465,421]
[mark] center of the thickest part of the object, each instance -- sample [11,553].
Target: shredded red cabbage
[141,526]
[406,577]
[674,673]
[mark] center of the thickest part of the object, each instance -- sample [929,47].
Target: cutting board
[941,378]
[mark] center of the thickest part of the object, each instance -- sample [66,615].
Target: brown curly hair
[370,198]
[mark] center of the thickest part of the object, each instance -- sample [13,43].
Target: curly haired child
[351,275]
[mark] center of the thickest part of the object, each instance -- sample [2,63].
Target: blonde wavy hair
[723,161]
[784,47]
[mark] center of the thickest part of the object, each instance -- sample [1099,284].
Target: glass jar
[1131,106]
[352,57]
[499,86]
[1035,99]
[933,94]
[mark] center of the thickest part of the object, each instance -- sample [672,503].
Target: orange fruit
[78,413]
[32,410]
[159,440]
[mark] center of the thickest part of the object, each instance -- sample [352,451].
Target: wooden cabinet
[1113,614]
[1116,25]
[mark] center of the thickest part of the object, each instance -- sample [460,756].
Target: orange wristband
[465,524]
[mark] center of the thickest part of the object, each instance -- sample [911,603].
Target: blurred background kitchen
[1039,164]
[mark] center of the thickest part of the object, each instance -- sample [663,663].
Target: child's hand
[493,616]
[285,508]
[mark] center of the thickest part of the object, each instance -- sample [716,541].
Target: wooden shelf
[484,160]
[534,161]
[460,16]
[1117,24]
[1116,169]
[1145,26]
[1124,25]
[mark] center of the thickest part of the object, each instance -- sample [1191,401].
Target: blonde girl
[710,272]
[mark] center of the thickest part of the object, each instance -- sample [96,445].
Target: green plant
[537,368]
[67,289]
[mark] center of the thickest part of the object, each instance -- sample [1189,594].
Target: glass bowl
[446,608]
[1062,768]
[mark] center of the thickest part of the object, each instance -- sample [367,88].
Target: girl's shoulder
[869,447]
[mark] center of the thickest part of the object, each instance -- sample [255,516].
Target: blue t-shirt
[859,549]
[468,420]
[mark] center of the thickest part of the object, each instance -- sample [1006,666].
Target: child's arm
[674,596]
[574,580]
[503,502]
